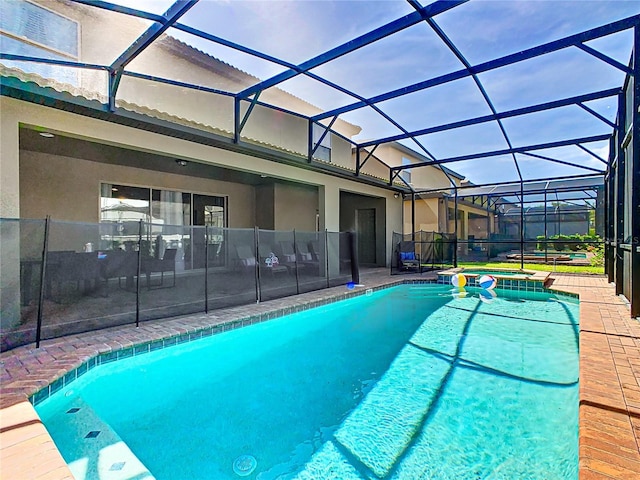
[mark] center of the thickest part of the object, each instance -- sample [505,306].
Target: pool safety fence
[61,278]
[427,251]
[424,251]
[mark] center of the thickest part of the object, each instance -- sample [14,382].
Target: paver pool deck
[609,376]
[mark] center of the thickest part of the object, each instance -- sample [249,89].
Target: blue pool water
[571,255]
[408,383]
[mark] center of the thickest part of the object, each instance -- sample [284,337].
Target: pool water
[571,255]
[410,382]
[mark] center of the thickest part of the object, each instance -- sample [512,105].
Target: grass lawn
[537,266]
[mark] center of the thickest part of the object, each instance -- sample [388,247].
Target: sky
[482,30]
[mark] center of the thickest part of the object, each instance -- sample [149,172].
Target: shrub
[597,260]
[560,242]
[573,242]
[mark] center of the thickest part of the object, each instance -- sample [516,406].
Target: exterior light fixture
[263,176]
[47,135]
[182,163]
[396,195]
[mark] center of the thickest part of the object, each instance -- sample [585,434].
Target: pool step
[98,450]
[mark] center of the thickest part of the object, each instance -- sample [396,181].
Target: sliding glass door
[209,211]
[173,216]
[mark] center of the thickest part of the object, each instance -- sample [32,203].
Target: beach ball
[487,282]
[487,296]
[458,280]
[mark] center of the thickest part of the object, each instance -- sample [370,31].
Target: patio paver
[609,380]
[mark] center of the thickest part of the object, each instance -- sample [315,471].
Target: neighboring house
[434,211]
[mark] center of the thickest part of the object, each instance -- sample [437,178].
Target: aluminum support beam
[355,44]
[121,9]
[562,162]
[597,157]
[178,9]
[326,131]
[52,61]
[620,197]
[359,164]
[609,212]
[495,153]
[458,54]
[413,219]
[634,191]
[501,115]
[176,83]
[522,225]
[605,58]
[570,41]
[512,182]
[597,115]
[455,228]
[241,123]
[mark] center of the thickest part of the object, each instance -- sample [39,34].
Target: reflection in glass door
[170,215]
[209,211]
[121,210]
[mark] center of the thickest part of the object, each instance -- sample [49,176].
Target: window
[406,174]
[31,30]
[323,152]
[174,217]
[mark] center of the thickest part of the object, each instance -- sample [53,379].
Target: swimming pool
[407,383]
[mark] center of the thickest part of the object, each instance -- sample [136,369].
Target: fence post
[206,269]
[546,234]
[138,274]
[45,249]
[455,229]
[256,240]
[353,244]
[326,254]
[521,225]
[295,252]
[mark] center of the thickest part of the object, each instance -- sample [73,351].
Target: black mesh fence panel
[277,271]
[86,287]
[427,250]
[338,258]
[422,252]
[110,274]
[172,272]
[310,249]
[232,271]
[21,266]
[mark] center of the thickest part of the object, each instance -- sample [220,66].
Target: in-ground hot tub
[508,278]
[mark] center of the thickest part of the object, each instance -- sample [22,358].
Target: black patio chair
[161,265]
[408,259]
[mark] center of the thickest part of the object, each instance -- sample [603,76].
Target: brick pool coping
[609,373]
